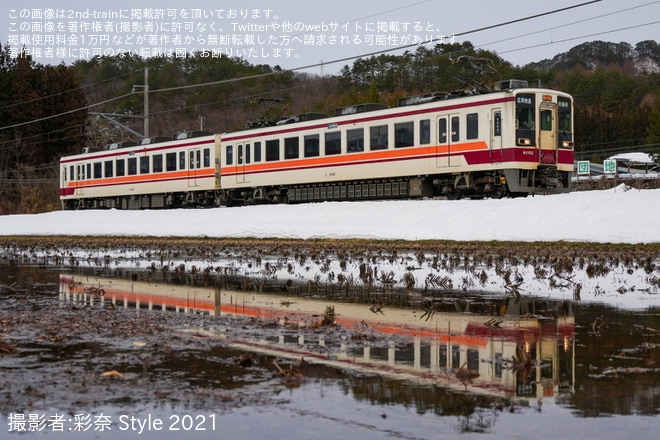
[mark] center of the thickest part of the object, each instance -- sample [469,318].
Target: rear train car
[155,173]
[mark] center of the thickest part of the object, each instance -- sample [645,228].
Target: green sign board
[609,166]
[583,167]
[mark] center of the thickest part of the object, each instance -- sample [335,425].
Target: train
[514,140]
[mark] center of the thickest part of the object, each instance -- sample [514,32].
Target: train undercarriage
[474,185]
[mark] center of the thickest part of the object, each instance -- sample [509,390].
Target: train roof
[505,86]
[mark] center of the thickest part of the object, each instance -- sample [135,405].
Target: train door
[448,134]
[496,135]
[240,163]
[194,162]
[243,159]
[80,177]
[548,133]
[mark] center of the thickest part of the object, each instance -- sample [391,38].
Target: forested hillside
[49,111]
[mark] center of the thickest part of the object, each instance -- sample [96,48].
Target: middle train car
[515,141]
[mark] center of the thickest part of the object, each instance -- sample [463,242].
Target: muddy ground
[75,357]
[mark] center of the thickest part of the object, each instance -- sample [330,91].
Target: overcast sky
[294,33]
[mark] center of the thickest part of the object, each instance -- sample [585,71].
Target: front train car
[510,141]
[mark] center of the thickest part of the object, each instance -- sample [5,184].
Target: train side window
[120,166]
[472,131]
[404,134]
[272,150]
[98,170]
[229,154]
[207,157]
[292,148]
[195,159]
[144,164]
[425,131]
[239,154]
[378,137]
[257,151]
[247,153]
[170,162]
[72,173]
[355,139]
[312,146]
[332,143]
[132,166]
[89,171]
[182,160]
[157,163]
[442,130]
[108,168]
[455,129]
[497,121]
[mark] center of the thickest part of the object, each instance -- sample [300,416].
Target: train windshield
[565,120]
[525,115]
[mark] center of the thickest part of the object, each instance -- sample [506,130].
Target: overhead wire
[320,64]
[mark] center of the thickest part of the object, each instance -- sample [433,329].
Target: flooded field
[269,340]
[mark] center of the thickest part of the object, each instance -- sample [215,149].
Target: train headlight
[567,144]
[524,141]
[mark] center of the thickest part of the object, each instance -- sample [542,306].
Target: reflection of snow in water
[622,282]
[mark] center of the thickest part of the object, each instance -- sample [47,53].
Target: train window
[442,130]
[170,162]
[378,137]
[248,152]
[89,171]
[182,160]
[157,163]
[108,168]
[525,115]
[455,129]
[207,157]
[257,151]
[229,154]
[120,166]
[144,164]
[472,131]
[98,170]
[546,120]
[355,139]
[292,148]
[332,143]
[564,115]
[497,124]
[72,173]
[239,154]
[132,166]
[195,159]
[312,145]
[425,131]
[272,150]
[404,134]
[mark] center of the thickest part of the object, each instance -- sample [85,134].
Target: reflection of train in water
[515,140]
[524,348]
